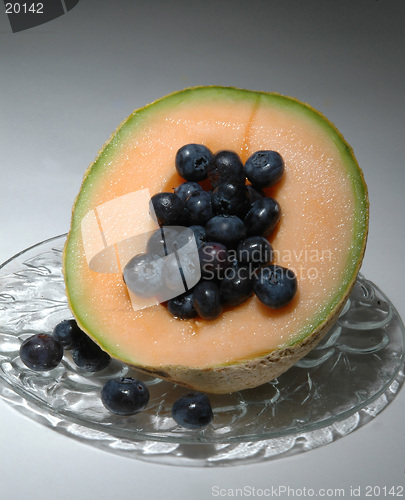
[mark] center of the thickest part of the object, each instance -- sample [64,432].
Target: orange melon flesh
[321,234]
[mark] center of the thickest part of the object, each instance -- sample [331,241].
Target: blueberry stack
[43,352]
[231,222]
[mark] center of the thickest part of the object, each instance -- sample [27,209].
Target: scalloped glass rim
[364,352]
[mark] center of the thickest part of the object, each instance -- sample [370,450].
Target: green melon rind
[140,117]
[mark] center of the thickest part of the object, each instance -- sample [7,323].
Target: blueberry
[192,410]
[199,234]
[41,352]
[255,251]
[172,275]
[176,237]
[227,229]
[233,260]
[166,239]
[68,333]
[226,167]
[182,306]
[206,299]
[255,193]
[156,244]
[262,217]
[184,190]
[214,260]
[181,271]
[169,209]
[193,161]
[275,286]
[124,396]
[143,274]
[89,356]
[230,199]
[264,168]
[236,286]
[198,208]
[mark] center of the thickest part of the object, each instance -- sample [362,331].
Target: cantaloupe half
[321,235]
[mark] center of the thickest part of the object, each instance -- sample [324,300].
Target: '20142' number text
[24,8]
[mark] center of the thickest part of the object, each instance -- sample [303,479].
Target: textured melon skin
[243,373]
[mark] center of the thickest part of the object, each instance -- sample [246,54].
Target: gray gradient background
[67,84]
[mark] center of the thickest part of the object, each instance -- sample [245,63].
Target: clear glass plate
[343,383]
